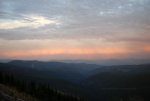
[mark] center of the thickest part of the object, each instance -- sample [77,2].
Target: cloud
[78,19]
[147,27]
[120,25]
[31,21]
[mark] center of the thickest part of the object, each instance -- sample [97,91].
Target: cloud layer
[31,21]
[58,27]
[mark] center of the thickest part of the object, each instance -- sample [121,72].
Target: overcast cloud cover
[86,24]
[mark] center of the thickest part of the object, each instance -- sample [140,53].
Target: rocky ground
[6,97]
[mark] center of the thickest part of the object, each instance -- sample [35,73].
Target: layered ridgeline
[120,83]
[89,81]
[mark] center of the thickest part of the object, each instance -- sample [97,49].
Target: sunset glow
[78,29]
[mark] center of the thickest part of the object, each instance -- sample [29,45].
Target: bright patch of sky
[31,21]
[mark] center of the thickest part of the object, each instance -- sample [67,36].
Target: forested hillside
[31,91]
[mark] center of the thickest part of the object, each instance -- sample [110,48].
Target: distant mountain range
[87,80]
[106,62]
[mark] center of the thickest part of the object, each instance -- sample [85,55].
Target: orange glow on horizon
[147,48]
[106,51]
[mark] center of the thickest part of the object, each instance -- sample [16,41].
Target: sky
[75,29]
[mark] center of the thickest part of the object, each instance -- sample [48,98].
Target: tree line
[43,92]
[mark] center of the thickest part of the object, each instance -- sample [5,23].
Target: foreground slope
[12,89]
